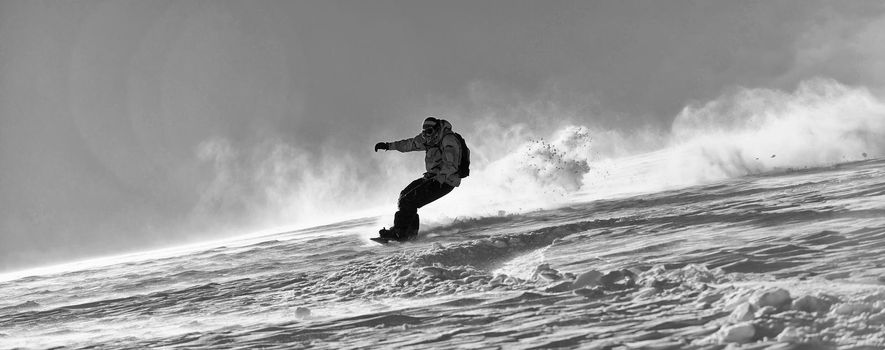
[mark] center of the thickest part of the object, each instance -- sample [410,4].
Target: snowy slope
[791,257]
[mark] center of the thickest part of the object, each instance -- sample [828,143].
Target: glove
[428,177]
[381,145]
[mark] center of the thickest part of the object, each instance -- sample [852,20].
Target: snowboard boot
[388,234]
[407,234]
[405,225]
[411,232]
[397,234]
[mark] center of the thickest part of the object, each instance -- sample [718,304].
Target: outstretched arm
[408,145]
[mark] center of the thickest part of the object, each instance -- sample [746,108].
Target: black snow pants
[416,195]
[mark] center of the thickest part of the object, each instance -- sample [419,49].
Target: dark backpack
[464,167]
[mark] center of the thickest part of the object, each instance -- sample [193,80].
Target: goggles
[428,131]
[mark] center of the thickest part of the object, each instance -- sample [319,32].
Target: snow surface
[792,259]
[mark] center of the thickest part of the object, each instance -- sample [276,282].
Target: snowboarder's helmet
[430,125]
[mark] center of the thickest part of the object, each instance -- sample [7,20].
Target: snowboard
[380,240]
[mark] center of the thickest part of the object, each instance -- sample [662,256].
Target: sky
[130,125]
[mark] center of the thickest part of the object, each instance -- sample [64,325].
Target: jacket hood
[446,128]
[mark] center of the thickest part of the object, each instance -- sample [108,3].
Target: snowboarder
[445,168]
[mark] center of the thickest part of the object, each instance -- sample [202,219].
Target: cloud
[844,43]
[752,131]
